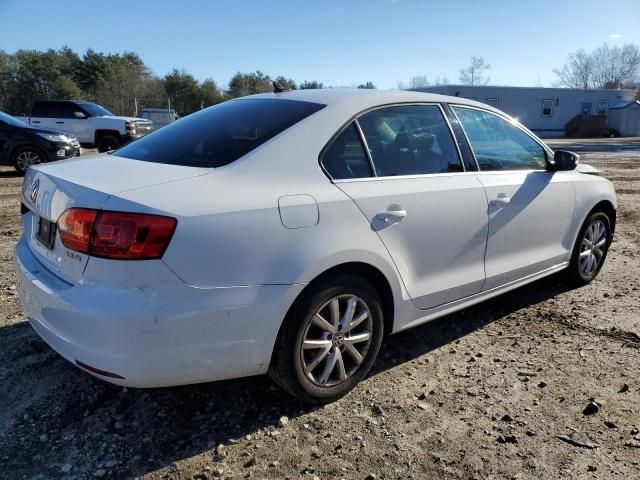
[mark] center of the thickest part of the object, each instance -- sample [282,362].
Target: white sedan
[289,232]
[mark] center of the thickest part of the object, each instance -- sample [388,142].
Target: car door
[77,121]
[401,166]
[530,208]
[43,114]
[70,118]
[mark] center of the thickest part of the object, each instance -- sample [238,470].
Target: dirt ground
[480,394]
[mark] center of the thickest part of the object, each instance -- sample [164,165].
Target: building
[545,111]
[624,119]
[159,116]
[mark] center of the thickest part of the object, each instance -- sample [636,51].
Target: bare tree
[616,67]
[417,81]
[577,72]
[444,80]
[474,73]
[605,67]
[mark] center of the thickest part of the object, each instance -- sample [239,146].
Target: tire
[108,143]
[580,271]
[24,157]
[292,366]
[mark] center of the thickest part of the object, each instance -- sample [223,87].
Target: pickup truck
[92,124]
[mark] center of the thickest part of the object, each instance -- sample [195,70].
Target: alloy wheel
[27,158]
[336,340]
[592,248]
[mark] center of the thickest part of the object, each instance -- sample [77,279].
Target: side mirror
[80,114]
[564,160]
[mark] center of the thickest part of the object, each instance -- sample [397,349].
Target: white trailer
[545,111]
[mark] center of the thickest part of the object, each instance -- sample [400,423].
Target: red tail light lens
[131,235]
[119,235]
[74,227]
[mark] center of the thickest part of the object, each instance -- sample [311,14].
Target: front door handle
[35,121]
[393,214]
[59,122]
[501,200]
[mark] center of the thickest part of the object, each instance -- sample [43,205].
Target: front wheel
[108,143]
[590,249]
[329,340]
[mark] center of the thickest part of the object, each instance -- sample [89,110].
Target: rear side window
[53,109]
[219,135]
[345,157]
[499,145]
[43,109]
[410,140]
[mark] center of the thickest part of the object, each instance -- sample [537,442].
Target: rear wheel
[590,249]
[329,340]
[24,157]
[108,143]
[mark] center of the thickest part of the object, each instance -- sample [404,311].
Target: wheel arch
[105,132]
[370,273]
[15,148]
[592,193]
[608,208]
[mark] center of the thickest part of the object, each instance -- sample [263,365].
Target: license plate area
[46,234]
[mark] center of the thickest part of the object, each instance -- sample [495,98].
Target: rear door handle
[35,121]
[392,215]
[59,122]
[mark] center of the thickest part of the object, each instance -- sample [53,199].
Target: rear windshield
[219,135]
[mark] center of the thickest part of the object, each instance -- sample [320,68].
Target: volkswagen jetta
[289,232]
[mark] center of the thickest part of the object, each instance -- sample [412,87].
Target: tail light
[119,235]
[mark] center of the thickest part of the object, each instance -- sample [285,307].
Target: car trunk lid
[49,190]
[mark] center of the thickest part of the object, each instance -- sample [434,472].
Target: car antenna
[277,88]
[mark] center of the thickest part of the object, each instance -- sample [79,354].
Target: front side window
[547,108]
[219,135]
[498,144]
[94,110]
[345,157]
[66,110]
[409,140]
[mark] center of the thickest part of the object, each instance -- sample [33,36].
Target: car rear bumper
[153,337]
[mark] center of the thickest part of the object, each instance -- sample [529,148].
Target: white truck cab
[92,124]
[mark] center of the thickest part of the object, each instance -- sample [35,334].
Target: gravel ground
[541,382]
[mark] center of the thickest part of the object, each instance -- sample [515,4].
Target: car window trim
[402,177]
[365,145]
[547,151]
[363,140]
[466,139]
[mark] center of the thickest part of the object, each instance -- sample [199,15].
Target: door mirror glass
[565,160]
[79,114]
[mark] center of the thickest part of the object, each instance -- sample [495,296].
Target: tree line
[120,80]
[604,67]
[117,81]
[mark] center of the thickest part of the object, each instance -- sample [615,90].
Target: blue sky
[340,43]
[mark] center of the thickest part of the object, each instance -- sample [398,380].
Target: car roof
[361,98]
